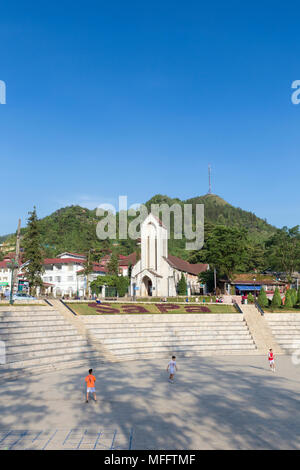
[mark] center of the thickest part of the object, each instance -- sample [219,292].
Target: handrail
[259,308]
[236,305]
[47,302]
[67,306]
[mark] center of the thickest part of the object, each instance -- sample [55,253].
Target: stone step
[30,329]
[290,340]
[161,330]
[31,323]
[172,334]
[175,348]
[29,318]
[166,354]
[53,362]
[290,347]
[25,309]
[113,343]
[38,336]
[45,352]
[41,340]
[161,322]
[43,346]
[282,316]
[29,311]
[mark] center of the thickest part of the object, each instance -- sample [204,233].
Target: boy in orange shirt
[90,383]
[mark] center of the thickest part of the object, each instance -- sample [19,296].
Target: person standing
[90,384]
[172,367]
[271,360]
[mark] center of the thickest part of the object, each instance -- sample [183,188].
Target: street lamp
[254,279]
[12,265]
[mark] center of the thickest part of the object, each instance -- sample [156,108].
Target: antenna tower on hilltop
[209,179]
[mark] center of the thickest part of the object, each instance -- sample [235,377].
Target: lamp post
[254,279]
[12,265]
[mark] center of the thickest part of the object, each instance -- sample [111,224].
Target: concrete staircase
[286,329]
[40,338]
[145,336]
[260,330]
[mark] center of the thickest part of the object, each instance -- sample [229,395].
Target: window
[57,278]
[70,278]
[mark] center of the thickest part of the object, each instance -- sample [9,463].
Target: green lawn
[282,310]
[139,308]
[23,304]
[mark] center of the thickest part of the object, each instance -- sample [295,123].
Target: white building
[5,277]
[157,273]
[63,275]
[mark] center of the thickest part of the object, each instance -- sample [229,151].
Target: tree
[88,268]
[113,265]
[226,249]
[122,285]
[182,286]
[262,298]
[250,298]
[129,270]
[283,250]
[288,299]
[298,296]
[294,296]
[207,277]
[276,301]
[33,252]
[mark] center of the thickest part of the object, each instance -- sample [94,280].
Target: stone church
[157,273]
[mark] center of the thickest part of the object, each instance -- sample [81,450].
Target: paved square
[231,402]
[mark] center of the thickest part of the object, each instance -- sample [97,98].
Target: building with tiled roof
[244,283]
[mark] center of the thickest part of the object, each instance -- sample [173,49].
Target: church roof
[126,260]
[185,266]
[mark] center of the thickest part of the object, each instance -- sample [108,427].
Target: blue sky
[137,98]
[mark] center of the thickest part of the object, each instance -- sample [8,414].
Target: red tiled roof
[96,269]
[126,260]
[185,266]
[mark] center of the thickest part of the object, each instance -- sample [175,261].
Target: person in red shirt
[271,360]
[90,384]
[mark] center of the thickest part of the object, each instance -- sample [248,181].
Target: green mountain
[73,228]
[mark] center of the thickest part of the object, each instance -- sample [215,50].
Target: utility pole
[215,279]
[14,286]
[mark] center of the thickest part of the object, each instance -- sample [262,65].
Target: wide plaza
[231,402]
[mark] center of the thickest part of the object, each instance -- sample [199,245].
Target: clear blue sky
[137,98]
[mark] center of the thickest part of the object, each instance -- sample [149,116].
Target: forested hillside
[73,228]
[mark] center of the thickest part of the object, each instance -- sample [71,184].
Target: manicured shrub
[288,299]
[276,301]
[262,298]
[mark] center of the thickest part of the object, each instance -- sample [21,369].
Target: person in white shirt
[172,368]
